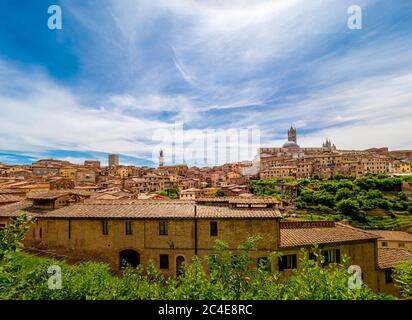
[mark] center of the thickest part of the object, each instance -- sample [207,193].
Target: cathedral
[292,139]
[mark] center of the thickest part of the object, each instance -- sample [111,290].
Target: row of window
[290,261]
[163,228]
[400,245]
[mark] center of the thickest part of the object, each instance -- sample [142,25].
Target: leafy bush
[351,209]
[343,193]
[374,194]
[403,278]
[172,193]
[222,276]
[12,235]
[402,195]
[324,198]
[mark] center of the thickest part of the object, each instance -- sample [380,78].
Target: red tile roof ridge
[358,229]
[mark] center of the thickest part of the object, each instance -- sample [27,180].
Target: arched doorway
[129,258]
[179,262]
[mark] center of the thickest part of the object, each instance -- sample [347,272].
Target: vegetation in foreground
[25,277]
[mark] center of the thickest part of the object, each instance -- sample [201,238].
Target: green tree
[343,193]
[12,235]
[350,208]
[374,194]
[324,198]
[403,278]
[402,195]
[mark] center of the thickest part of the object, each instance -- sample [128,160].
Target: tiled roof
[55,194]
[155,210]
[11,191]
[15,209]
[210,212]
[9,198]
[390,257]
[301,233]
[255,200]
[191,190]
[243,200]
[392,235]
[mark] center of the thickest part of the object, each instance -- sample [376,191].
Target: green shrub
[351,208]
[227,277]
[403,279]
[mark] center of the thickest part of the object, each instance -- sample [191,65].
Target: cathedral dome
[290,144]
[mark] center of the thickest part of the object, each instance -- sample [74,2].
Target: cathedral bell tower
[292,135]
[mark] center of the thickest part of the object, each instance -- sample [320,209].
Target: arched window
[129,258]
[179,262]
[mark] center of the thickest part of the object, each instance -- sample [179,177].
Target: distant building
[161,159]
[292,139]
[325,162]
[92,163]
[328,145]
[113,160]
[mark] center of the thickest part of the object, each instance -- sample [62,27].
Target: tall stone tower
[292,136]
[113,160]
[161,159]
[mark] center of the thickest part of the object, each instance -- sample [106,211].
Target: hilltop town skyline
[78,157]
[141,66]
[226,152]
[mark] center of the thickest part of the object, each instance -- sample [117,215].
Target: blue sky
[120,70]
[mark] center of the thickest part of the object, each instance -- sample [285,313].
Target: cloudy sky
[121,70]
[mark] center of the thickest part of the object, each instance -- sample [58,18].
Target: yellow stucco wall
[87,242]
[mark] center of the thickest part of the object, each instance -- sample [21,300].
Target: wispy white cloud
[215,64]
[50,117]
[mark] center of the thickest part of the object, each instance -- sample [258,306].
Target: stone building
[58,183]
[326,162]
[85,175]
[113,160]
[190,194]
[393,239]
[169,233]
[95,164]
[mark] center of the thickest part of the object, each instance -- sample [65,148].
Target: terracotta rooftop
[255,200]
[243,200]
[390,257]
[51,195]
[15,209]
[307,233]
[11,191]
[155,210]
[191,190]
[392,235]
[227,212]
[9,198]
